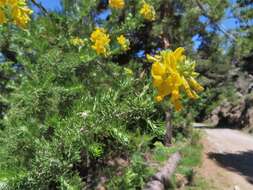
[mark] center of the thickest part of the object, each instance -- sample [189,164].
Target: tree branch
[221,28]
[41,7]
[161,179]
[169,128]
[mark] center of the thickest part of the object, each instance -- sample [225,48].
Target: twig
[221,28]
[169,128]
[41,7]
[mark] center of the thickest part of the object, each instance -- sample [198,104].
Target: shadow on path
[241,162]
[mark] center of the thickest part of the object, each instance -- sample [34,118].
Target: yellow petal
[151,58]
[172,62]
[164,89]
[117,4]
[187,89]
[177,104]
[157,69]
[196,85]
[175,99]
[178,53]
[157,81]
[159,98]
[195,95]
[175,79]
[2,17]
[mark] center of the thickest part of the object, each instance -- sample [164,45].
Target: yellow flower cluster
[16,11]
[123,42]
[117,4]
[148,11]
[76,41]
[101,41]
[172,73]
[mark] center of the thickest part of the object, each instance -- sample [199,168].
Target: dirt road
[228,159]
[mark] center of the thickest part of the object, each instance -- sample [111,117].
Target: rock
[242,81]
[228,114]
[239,113]
[234,114]
[249,116]
[214,119]
[249,112]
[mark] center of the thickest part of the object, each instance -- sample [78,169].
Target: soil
[228,159]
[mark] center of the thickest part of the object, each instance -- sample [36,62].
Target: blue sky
[51,4]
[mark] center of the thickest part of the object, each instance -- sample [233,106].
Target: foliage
[76,93]
[71,110]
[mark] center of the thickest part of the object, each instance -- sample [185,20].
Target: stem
[40,6]
[169,128]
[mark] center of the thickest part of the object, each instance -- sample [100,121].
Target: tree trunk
[161,180]
[169,127]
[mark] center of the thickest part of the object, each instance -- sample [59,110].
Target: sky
[51,4]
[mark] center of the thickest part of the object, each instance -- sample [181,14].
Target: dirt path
[228,159]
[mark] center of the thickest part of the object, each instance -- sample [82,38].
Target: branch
[41,7]
[169,128]
[221,28]
[161,179]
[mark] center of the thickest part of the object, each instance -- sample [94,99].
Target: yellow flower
[172,73]
[175,99]
[20,13]
[123,42]
[76,41]
[2,17]
[148,12]
[2,3]
[101,41]
[197,87]
[20,16]
[117,4]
